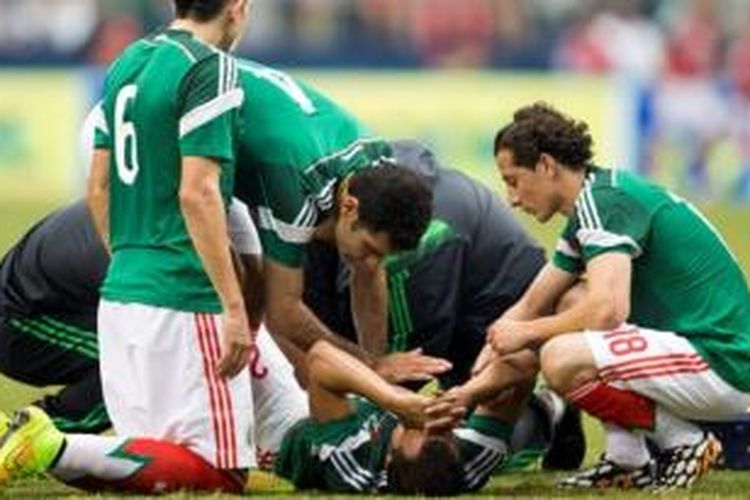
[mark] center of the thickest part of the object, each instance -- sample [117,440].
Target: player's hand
[411,366]
[236,345]
[507,336]
[410,408]
[447,410]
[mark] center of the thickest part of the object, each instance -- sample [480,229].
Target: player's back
[55,269]
[148,115]
[290,126]
[295,145]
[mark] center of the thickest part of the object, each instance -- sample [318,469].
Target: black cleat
[607,474]
[568,446]
[680,467]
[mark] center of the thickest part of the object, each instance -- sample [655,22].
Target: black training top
[56,269]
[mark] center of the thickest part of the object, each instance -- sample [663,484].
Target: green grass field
[732,222]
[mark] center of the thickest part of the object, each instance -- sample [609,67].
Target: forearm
[499,375]
[251,280]
[339,372]
[590,313]
[369,299]
[205,219]
[542,296]
[295,322]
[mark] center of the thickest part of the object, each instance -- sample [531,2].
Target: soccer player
[393,439]
[472,263]
[49,293]
[310,171]
[161,175]
[661,334]
[50,283]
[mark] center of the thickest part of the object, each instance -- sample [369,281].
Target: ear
[238,7]
[349,205]
[547,165]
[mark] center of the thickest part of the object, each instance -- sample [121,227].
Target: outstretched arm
[334,374]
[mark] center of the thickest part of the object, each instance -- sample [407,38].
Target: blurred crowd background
[644,38]
[686,63]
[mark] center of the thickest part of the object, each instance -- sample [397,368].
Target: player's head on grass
[381,210]
[424,464]
[542,156]
[228,18]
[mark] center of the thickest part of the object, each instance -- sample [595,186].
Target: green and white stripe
[592,232]
[94,421]
[67,337]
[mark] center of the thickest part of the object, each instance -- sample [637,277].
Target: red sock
[164,467]
[626,409]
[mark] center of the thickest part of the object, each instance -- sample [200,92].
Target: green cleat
[4,423]
[30,445]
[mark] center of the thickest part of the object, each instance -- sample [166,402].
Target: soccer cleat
[30,445]
[680,467]
[568,446]
[607,474]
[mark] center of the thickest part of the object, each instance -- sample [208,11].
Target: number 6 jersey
[166,97]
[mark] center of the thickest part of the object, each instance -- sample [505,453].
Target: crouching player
[650,259]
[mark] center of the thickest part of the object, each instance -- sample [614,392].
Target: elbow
[608,315]
[196,196]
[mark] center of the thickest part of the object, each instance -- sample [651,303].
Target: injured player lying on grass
[366,435]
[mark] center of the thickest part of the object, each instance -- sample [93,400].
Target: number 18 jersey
[167,96]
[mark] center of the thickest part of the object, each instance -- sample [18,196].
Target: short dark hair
[540,128]
[200,10]
[394,200]
[435,471]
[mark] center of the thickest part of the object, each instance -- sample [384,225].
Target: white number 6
[124,131]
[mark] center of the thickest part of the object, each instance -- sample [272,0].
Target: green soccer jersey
[349,455]
[166,97]
[295,146]
[685,279]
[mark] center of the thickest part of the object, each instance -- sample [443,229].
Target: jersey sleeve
[207,108]
[610,221]
[482,443]
[287,219]
[242,232]
[102,137]
[567,256]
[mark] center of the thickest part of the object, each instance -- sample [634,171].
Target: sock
[625,408]
[671,431]
[626,448]
[145,466]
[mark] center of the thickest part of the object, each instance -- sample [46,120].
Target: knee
[566,362]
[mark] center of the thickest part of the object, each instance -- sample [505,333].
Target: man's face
[531,190]
[354,241]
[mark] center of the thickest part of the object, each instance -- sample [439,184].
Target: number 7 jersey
[166,97]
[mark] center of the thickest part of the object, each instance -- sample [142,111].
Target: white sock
[87,455]
[626,448]
[671,431]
